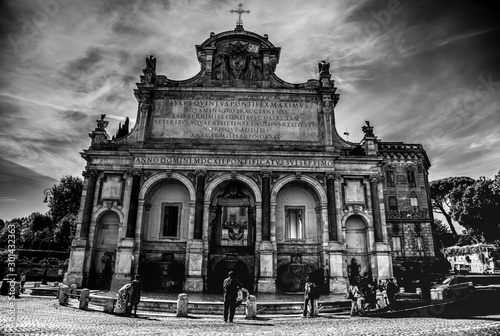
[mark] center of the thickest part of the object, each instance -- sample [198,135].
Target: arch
[316,186]
[357,239]
[367,221]
[96,217]
[226,177]
[166,176]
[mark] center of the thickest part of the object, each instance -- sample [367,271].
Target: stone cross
[239,11]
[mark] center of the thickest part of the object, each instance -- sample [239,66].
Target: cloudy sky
[421,71]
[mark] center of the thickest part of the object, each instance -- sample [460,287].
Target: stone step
[217,307]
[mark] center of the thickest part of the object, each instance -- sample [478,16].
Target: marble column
[267,250]
[79,248]
[88,195]
[200,196]
[194,247]
[377,223]
[332,207]
[134,203]
[266,205]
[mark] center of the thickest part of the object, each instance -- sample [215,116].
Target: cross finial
[240,11]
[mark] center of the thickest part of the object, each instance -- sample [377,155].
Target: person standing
[230,286]
[311,292]
[135,295]
[391,293]
[23,281]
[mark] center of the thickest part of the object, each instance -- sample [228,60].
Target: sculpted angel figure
[252,66]
[221,67]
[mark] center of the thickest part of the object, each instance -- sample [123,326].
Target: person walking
[311,293]
[23,281]
[356,298]
[230,286]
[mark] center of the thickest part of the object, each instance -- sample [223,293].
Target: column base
[119,280]
[194,284]
[338,285]
[73,278]
[266,285]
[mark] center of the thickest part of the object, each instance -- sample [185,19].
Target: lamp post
[47,193]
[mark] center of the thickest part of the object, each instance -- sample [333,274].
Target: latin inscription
[246,120]
[214,161]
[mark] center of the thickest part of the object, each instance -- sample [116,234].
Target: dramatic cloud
[421,71]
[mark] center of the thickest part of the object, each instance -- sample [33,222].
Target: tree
[444,193]
[65,231]
[478,208]
[64,198]
[443,234]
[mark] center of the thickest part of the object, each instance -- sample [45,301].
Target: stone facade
[236,169]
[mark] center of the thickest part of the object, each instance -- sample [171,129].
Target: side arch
[164,176]
[317,187]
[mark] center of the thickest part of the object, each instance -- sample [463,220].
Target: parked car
[455,286]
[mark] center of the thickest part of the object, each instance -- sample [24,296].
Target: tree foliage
[478,208]
[442,234]
[64,198]
[445,193]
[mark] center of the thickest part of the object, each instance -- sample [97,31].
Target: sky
[423,72]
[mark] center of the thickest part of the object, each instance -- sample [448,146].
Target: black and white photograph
[220,167]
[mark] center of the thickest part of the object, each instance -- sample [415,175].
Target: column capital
[90,172]
[200,172]
[134,171]
[375,178]
[266,173]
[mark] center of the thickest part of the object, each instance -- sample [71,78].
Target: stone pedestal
[251,309]
[123,265]
[382,261]
[182,305]
[338,279]
[75,274]
[194,281]
[267,282]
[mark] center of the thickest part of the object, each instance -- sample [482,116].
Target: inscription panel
[235,120]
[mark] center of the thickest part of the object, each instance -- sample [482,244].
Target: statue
[368,129]
[102,124]
[151,63]
[221,67]
[353,270]
[323,67]
[251,73]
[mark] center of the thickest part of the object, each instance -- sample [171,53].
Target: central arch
[231,229]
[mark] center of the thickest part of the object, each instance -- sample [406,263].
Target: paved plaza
[43,316]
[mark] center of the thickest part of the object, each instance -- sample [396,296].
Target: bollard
[251,308]
[72,291]
[63,295]
[401,289]
[17,289]
[381,299]
[84,299]
[433,294]
[418,291]
[182,305]
[109,307]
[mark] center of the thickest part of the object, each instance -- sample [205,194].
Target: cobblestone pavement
[36,316]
